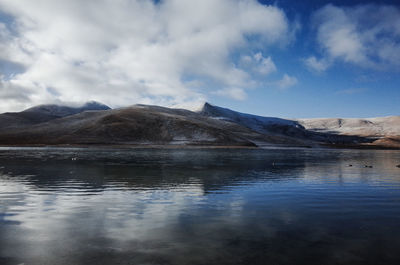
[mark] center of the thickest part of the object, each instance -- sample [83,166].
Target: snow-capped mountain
[95,123]
[378,127]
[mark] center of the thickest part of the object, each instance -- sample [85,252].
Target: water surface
[199,206]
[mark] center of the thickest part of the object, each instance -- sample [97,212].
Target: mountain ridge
[95,123]
[44,113]
[65,110]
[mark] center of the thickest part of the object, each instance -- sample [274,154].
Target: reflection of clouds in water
[336,168]
[198,213]
[51,224]
[136,215]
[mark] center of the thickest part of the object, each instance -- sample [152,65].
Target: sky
[293,59]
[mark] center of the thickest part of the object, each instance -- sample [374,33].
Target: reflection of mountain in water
[212,169]
[198,207]
[170,169]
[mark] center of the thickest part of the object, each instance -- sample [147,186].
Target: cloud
[316,65]
[125,52]
[13,92]
[236,93]
[258,64]
[286,82]
[364,35]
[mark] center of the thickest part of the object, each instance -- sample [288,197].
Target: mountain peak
[206,107]
[215,111]
[95,105]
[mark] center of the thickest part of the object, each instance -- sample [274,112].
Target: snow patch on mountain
[382,126]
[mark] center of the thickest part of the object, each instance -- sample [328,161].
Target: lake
[199,206]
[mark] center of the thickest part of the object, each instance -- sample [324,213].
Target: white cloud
[364,35]
[258,64]
[316,65]
[124,52]
[236,93]
[286,82]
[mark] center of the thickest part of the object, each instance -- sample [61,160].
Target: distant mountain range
[97,124]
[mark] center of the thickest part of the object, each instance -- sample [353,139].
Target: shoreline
[177,146]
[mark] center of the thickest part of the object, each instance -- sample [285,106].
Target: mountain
[278,126]
[138,124]
[96,124]
[141,124]
[44,113]
[257,123]
[370,127]
[385,130]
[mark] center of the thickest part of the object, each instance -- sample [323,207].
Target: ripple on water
[199,206]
